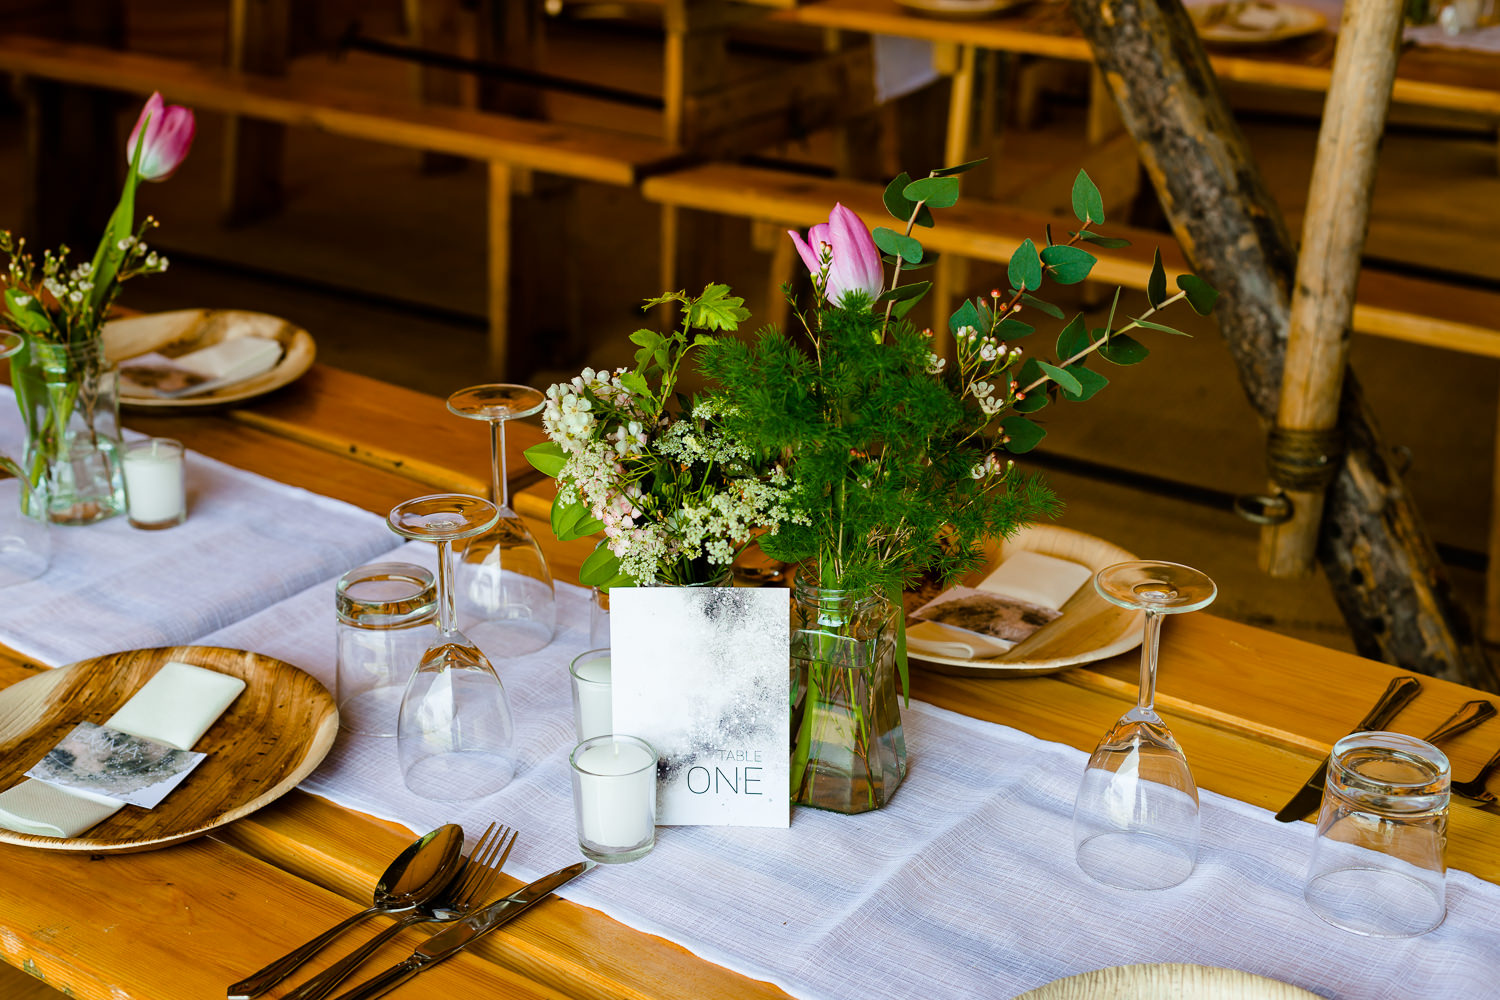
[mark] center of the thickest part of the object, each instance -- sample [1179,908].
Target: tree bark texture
[1390,586]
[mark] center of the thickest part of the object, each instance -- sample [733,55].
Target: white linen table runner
[248,542]
[964,886]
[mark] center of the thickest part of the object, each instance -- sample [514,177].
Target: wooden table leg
[253,150]
[498,270]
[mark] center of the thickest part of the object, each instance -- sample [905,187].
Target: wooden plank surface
[586,153]
[1388,305]
[1434,78]
[1253,710]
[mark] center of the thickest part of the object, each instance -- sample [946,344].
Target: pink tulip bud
[168,135]
[853,258]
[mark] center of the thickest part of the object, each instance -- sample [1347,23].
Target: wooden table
[1253,710]
[1447,79]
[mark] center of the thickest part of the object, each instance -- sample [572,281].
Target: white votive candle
[590,674]
[614,797]
[155,486]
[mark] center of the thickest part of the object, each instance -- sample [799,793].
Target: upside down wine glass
[1135,821]
[505,594]
[25,546]
[455,733]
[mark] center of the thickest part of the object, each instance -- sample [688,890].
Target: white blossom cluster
[625,471]
[982,361]
[67,294]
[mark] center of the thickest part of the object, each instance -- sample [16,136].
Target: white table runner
[248,542]
[963,887]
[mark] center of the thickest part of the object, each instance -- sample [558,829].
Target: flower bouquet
[66,388]
[674,496]
[896,462]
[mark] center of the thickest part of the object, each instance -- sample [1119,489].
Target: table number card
[701,673]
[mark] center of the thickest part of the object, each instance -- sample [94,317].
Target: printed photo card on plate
[702,674]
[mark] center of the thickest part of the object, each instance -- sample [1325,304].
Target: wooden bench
[1389,305]
[505,143]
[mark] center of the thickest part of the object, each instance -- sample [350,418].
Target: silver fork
[468,891]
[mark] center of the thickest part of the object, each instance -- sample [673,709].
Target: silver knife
[1397,694]
[454,939]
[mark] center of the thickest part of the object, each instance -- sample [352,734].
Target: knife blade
[452,940]
[1397,695]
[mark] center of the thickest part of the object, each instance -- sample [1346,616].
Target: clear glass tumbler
[385,611]
[1377,865]
[614,797]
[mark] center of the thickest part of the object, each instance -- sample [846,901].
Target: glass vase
[848,750]
[69,395]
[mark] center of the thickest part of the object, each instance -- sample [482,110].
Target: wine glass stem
[446,615]
[499,488]
[1149,644]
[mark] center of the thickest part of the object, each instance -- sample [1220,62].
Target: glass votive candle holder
[590,676]
[614,797]
[599,618]
[385,612]
[155,484]
[1377,865]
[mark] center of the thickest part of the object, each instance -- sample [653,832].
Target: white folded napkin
[234,359]
[176,706]
[1045,581]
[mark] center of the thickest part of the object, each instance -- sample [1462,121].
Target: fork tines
[485,862]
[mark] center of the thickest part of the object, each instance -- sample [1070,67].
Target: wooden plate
[1090,627]
[270,738]
[1167,982]
[185,330]
[1294,21]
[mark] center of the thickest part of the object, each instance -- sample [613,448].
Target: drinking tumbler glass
[1377,865]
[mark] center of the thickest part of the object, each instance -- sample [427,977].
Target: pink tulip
[169,134]
[854,260]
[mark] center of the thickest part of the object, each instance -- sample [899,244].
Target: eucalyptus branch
[1132,325]
[911,223]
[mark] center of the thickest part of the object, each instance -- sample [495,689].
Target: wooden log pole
[1304,445]
[1384,572]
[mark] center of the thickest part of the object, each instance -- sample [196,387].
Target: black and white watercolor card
[108,762]
[702,674]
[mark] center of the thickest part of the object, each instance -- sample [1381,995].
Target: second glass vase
[848,749]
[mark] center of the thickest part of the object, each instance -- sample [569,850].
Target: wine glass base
[1134,859]
[457,775]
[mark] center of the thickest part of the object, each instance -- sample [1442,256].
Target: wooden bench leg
[951,273]
[1491,617]
[258,43]
[498,270]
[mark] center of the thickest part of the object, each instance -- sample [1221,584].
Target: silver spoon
[417,875]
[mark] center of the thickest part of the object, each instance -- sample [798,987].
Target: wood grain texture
[586,153]
[270,737]
[1328,265]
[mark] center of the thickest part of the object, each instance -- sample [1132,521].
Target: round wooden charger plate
[184,330]
[1167,982]
[270,737]
[1297,22]
[1090,627]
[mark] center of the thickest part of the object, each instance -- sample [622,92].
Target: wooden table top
[1254,712]
[1450,79]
